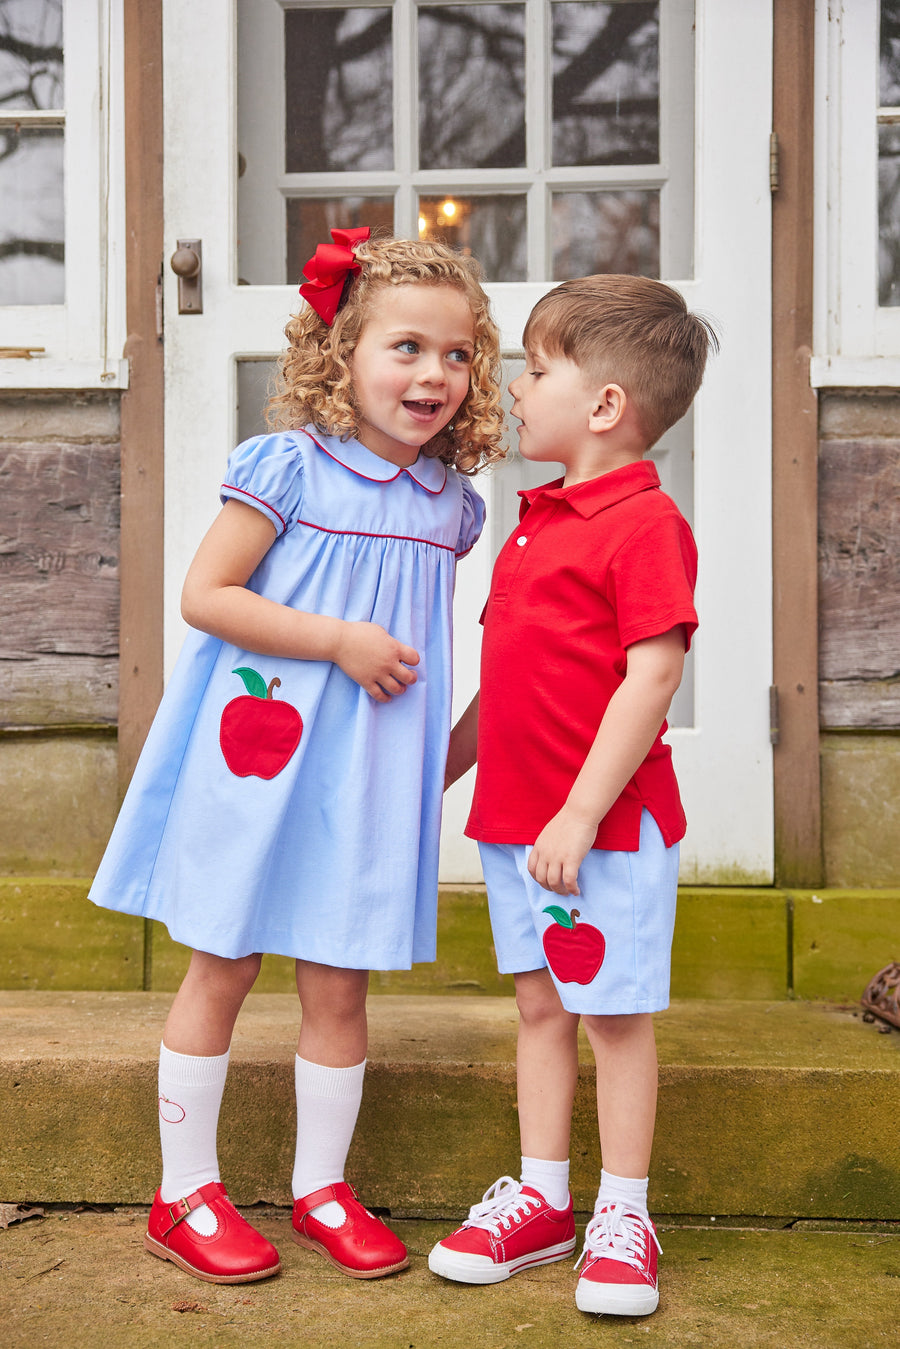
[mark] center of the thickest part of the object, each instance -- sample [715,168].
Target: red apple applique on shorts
[258,735]
[574,951]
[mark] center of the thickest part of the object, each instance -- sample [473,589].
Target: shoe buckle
[178,1211]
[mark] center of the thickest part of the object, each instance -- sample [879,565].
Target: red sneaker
[511,1229]
[363,1246]
[619,1274]
[235,1253]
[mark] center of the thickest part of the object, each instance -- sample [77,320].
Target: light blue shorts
[608,949]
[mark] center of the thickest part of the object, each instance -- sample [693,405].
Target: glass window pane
[338,81]
[32,221]
[889,65]
[255,379]
[889,216]
[491,227]
[471,86]
[605,83]
[310,221]
[31,54]
[605,232]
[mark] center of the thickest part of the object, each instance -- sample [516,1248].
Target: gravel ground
[81,1278]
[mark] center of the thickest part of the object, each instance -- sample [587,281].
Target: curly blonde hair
[314,383]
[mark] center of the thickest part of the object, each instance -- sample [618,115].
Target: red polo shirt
[589,570]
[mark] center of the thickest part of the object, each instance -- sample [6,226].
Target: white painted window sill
[42,373]
[854,372]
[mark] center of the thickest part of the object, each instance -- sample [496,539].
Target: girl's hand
[375,659]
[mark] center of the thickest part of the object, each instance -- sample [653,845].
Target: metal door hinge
[774,162]
[774,725]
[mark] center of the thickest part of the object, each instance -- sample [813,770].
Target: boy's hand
[376,660]
[561,847]
[629,727]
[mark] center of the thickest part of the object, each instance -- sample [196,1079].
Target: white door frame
[724,761]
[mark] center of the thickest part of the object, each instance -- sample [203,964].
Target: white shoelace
[503,1204]
[615,1233]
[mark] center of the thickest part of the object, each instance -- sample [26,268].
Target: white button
[521,540]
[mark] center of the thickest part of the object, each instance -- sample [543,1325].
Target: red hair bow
[328,271]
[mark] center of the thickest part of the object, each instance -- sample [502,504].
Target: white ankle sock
[190,1094]
[328,1101]
[622,1190]
[551,1179]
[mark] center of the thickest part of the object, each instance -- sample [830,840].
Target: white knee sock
[328,1101]
[190,1093]
[621,1190]
[551,1179]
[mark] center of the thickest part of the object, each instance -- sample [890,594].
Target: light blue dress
[331,854]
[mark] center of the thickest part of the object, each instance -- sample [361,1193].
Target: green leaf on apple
[560,915]
[253,682]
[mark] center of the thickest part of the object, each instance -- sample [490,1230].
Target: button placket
[539,515]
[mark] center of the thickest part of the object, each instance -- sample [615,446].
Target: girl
[288,797]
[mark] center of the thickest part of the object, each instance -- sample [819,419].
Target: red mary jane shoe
[362,1246]
[235,1253]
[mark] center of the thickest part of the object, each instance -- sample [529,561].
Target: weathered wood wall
[59,590]
[859,561]
[59,566]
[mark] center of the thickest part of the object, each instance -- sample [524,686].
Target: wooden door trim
[798,797]
[141,545]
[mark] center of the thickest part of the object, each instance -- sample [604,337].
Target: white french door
[552,138]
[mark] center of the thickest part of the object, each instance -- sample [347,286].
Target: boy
[585,632]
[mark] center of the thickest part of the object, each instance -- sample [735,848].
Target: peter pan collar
[589,498]
[430,474]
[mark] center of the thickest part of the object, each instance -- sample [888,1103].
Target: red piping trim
[333,457]
[364,534]
[232,488]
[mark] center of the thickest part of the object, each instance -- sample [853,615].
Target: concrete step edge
[781,1108]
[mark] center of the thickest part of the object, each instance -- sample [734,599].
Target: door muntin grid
[550,138]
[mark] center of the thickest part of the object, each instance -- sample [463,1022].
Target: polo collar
[430,474]
[589,498]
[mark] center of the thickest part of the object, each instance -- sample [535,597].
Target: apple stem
[573,915]
[275,684]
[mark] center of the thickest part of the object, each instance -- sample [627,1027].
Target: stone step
[733,942]
[766,1108]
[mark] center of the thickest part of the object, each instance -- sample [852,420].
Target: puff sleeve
[267,472]
[472,522]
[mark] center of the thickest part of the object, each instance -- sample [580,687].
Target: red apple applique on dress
[574,951]
[258,735]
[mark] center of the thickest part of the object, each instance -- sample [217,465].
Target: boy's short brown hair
[632,331]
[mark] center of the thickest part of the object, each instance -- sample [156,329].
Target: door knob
[187,264]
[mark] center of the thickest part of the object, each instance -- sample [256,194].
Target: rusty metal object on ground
[882,995]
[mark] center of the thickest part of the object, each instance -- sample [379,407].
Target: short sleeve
[472,518]
[267,472]
[652,580]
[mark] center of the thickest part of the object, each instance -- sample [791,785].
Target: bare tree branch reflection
[31,188]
